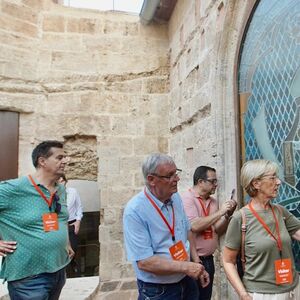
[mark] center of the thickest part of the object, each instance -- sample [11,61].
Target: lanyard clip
[280,254]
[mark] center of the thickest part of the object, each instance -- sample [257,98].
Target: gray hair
[256,169]
[153,161]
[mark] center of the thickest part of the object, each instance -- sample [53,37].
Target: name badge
[208,233]
[283,271]
[178,251]
[50,222]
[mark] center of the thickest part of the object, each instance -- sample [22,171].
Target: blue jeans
[185,289]
[44,286]
[208,263]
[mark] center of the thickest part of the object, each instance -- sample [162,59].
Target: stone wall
[81,75]
[97,81]
[205,38]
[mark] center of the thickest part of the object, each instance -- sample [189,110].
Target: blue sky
[133,6]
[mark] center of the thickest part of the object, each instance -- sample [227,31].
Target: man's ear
[151,180]
[199,181]
[41,161]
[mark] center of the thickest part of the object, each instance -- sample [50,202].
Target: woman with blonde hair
[269,269]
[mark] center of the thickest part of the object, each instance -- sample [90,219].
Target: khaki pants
[292,295]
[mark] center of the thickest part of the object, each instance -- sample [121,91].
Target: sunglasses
[56,203]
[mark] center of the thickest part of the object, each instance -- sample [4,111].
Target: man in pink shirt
[208,221]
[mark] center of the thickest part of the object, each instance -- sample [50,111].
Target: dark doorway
[9,141]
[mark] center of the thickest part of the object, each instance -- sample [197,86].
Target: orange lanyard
[172,229]
[278,239]
[205,210]
[49,202]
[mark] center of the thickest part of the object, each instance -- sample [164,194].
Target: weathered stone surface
[115,90]
[83,161]
[54,23]
[109,286]
[129,285]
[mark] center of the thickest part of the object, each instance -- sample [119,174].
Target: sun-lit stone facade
[115,90]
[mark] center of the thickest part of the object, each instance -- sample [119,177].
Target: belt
[161,284]
[71,222]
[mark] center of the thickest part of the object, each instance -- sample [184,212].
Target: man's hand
[226,206]
[233,205]
[204,279]
[193,270]
[70,251]
[76,226]
[7,247]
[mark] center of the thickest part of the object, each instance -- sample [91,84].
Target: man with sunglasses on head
[33,225]
[157,236]
[208,221]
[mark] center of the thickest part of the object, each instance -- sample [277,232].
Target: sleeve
[7,191]
[137,238]
[78,205]
[189,206]
[233,236]
[291,222]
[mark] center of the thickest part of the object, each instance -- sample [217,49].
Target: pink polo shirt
[193,209]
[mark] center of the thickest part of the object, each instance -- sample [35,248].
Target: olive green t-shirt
[261,249]
[21,211]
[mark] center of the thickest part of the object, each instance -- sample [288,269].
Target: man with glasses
[208,221]
[157,236]
[33,221]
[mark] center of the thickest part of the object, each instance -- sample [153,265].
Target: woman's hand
[245,296]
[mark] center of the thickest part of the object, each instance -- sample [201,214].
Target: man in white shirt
[75,216]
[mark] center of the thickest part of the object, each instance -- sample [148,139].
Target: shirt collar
[159,203]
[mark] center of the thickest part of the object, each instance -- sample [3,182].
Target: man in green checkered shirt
[33,226]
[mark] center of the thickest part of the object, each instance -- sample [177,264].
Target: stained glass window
[269,89]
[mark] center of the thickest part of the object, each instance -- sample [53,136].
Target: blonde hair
[256,169]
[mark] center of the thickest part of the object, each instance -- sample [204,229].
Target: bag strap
[244,229]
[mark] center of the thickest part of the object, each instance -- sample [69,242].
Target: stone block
[102,44]
[81,25]
[112,252]
[109,286]
[18,26]
[59,42]
[145,145]
[126,126]
[139,180]
[163,144]
[158,85]
[121,194]
[130,164]
[129,285]
[154,31]
[109,165]
[115,146]
[53,23]
[73,61]
[19,12]
[154,104]
[120,28]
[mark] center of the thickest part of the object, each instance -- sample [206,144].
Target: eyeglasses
[171,177]
[212,181]
[56,203]
[271,177]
